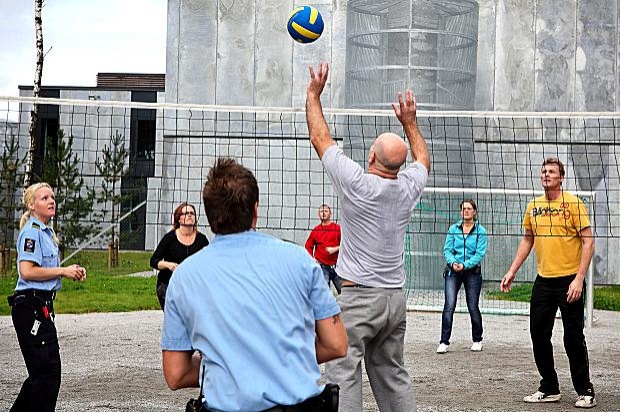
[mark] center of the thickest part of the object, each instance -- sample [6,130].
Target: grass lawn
[111,290]
[605,297]
[105,290]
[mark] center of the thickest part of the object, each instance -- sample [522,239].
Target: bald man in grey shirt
[375,209]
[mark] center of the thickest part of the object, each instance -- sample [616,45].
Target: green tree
[74,200]
[10,165]
[112,168]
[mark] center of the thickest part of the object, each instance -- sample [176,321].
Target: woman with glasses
[182,241]
[465,247]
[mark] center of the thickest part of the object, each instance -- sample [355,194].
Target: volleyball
[305,24]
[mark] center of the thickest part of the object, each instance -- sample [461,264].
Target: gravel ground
[112,362]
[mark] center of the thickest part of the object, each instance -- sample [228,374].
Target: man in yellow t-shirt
[557,226]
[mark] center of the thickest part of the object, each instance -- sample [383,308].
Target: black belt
[326,401]
[46,295]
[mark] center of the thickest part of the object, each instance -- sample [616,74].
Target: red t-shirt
[322,237]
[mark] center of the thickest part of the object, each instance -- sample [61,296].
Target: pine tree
[74,200]
[10,165]
[112,168]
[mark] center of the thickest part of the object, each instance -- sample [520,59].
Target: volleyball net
[138,161]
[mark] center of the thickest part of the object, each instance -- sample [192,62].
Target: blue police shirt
[249,303]
[36,244]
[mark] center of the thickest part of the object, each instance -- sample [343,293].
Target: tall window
[47,132]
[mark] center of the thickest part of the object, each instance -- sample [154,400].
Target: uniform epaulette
[36,225]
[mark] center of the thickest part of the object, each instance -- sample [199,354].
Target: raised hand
[317,80]
[406,109]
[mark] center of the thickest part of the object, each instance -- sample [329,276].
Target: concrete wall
[241,54]
[548,55]
[533,55]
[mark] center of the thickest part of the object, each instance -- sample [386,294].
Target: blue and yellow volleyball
[305,24]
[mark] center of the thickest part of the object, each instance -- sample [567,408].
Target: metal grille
[428,46]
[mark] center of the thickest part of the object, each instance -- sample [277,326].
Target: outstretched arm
[406,114]
[320,137]
[524,249]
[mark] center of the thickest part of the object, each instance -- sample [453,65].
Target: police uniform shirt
[36,244]
[249,303]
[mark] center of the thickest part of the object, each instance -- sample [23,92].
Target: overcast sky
[86,37]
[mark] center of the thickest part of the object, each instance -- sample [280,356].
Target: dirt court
[112,362]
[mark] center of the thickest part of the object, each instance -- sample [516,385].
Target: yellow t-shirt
[556,225]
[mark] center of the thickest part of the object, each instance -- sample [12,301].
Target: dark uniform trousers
[41,353]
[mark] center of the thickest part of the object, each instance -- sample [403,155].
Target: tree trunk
[110,254]
[34,113]
[113,254]
[5,260]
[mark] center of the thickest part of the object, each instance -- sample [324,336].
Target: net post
[590,275]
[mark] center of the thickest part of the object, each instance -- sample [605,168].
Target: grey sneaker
[585,401]
[540,397]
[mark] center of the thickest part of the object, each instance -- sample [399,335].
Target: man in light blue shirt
[256,308]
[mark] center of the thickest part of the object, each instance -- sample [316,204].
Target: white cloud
[86,37]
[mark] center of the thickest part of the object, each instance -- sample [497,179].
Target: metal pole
[85,245]
[590,276]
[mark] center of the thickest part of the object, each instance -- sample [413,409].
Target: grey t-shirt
[374,213]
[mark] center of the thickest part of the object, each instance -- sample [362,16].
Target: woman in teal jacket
[465,247]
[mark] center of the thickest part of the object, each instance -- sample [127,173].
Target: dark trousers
[549,294]
[161,289]
[41,354]
[330,275]
[472,281]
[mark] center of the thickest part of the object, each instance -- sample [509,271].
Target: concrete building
[530,55]
[91,128]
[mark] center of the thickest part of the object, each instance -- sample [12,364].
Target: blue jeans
[473,286]
[330,274]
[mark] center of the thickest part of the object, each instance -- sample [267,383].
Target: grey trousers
[375,320]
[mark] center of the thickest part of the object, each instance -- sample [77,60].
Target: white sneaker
[539,397]
[442,348]
[476,346]
[585,401]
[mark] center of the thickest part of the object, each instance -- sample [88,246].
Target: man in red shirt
[323,244]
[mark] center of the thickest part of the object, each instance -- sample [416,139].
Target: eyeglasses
[189,214]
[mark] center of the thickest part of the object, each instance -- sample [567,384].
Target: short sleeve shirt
[35,243]
[556,225]
[374,214]
[249,303]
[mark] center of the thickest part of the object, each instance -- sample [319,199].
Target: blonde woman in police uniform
[38,266]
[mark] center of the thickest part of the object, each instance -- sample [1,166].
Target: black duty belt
[326,401]
[46,295]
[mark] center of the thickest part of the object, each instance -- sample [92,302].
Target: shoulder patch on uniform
[29,245]
[36,225]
